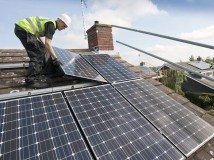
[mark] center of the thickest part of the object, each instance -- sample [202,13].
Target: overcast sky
[188,19]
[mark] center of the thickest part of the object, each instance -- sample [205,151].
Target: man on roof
[29,31]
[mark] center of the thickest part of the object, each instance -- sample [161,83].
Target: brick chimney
[100,38]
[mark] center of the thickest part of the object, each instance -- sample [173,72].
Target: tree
[191,58]
[173,79]
[208,60]
[203,100]
[142,63]
[199,58]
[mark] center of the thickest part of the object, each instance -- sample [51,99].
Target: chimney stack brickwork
[100,37]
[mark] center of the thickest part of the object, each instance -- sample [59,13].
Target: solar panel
[75,65]
[39,127]
[109,68]
[184,129]
[114,129]
[200,64]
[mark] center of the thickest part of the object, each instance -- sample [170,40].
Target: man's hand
[56,62]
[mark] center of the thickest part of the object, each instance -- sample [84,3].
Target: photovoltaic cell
[39,127]
[75,65]
[109,68]
[114,129]
[181,126]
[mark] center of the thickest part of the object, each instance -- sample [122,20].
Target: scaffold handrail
[177,65]
[167,37]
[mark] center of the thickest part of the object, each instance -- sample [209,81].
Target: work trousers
[36,52]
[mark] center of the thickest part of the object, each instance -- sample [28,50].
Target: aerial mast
[83,3]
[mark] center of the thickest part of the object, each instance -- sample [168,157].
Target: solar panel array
[129,119]
[184,129]
[200,65]
[114,129]
[39,127]
[109,68]
[75,65]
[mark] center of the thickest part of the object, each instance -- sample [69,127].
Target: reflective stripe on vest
[31,23]
[35,25]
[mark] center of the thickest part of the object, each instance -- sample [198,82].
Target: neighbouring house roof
[147,70]
[203,81]
[203,66]
[12,84]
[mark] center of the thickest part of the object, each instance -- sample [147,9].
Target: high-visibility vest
[35,25]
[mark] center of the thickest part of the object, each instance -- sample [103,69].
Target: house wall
[193,86]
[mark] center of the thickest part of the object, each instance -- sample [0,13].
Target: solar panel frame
[114,129]
[182,127]
[40,127]
[75,65]
[109,68]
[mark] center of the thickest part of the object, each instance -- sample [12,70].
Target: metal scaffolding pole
[167,37]
[177,65]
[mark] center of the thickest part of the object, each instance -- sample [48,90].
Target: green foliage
[207,59]
[199,58]
[210,61]
[203,100]
[154,68]
[173,79]
[191,58]
[211,112]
